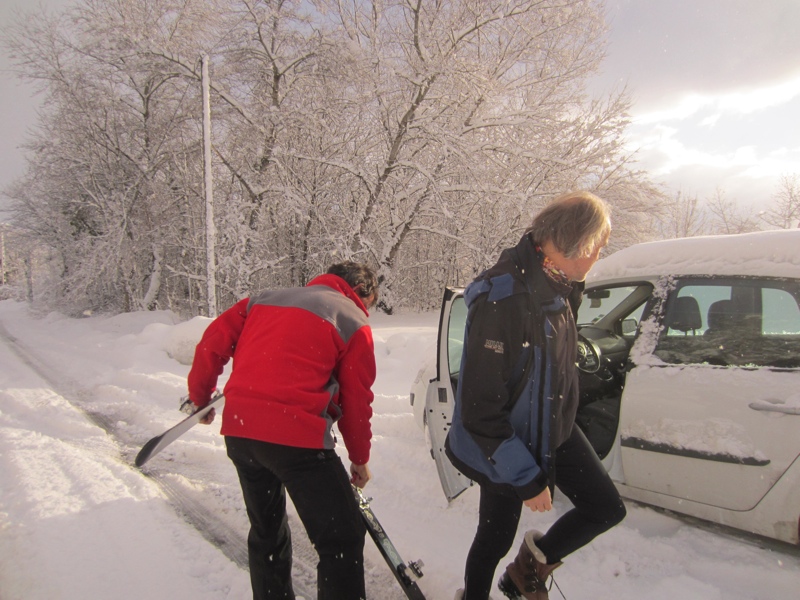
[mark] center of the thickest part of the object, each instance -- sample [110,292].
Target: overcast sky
[716,89]
[715,83]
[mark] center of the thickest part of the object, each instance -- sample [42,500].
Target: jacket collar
[528,258]
[341,286]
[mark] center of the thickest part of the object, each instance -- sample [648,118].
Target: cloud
[732,103]
[741,141]
[775,164]
[746,172]
[662,147]
[663,49]
[715,87]
[664,151]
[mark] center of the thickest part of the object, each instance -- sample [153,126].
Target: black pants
[581,477]
[319,487]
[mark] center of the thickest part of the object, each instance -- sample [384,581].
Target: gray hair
[577,223]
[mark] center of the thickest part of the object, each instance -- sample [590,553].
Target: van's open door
[440,398]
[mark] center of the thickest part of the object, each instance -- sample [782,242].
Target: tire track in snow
[197,514]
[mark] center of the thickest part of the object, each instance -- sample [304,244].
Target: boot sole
[506,585]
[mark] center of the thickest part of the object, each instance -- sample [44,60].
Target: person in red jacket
[303,359]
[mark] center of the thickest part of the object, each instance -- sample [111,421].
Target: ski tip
[146,452]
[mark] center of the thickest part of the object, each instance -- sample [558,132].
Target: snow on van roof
[768,253]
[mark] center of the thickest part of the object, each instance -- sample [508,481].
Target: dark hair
[576,222]
[357,274]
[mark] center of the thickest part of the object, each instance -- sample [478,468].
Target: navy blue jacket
[517,393]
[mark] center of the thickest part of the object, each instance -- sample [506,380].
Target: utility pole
[211,269]
[2,254]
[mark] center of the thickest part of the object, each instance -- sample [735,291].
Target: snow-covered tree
[107,187]
[417,136]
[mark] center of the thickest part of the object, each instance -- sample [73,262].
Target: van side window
[455,335]
[781,313]
[732,322]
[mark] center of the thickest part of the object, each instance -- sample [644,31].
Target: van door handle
[767,406]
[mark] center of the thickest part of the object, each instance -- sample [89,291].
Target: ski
[406,574]
[158,443]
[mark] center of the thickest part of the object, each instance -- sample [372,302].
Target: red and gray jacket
[303,359]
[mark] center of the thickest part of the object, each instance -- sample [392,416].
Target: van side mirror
[629,326]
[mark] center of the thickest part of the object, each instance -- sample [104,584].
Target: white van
[689,359]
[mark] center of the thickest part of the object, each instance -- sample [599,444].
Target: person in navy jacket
[513,429]
[303,359]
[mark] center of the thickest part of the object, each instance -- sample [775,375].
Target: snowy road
[89,505]
[78,521]
[69,500]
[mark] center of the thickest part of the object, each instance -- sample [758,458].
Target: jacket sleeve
[213,352]
[356,374]
[495,357]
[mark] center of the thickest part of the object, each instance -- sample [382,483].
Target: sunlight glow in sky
[730,103]
[739,141]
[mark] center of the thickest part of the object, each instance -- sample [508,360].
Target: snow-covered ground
[78,521]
